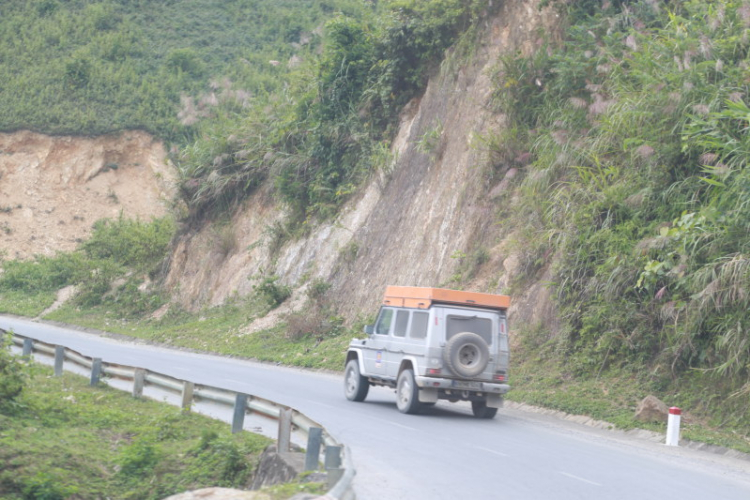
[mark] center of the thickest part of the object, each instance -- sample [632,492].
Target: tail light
[433,371]
[500,377]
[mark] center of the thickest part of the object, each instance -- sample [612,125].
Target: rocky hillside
[430,215]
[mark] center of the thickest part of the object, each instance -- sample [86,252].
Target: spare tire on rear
[466,354]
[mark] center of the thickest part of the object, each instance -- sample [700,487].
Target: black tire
[355,385]
[407,393]
[466,354]
[481,410]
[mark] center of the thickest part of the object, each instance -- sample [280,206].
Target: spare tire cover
[466,354]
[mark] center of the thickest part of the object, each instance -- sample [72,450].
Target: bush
[270,291]
[45,486]
[138,459]
[14,374]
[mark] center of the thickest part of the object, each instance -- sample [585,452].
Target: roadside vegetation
[61,438]
[332,124]
[637,199]
[116,266]
[87,67]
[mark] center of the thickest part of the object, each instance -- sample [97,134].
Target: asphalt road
[445,453]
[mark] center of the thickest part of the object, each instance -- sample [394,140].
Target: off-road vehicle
[430,344]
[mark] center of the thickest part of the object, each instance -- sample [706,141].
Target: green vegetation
[110,268]
[65,439]
[637,195]
[96,66]
[320,137]
[250,95]
[312,338]
[14,374]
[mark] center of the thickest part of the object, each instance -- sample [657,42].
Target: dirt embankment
[53,188]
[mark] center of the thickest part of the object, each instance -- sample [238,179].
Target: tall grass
[639,181]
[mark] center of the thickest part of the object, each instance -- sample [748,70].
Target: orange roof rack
[424,297]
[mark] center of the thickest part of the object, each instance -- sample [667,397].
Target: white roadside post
[673,427]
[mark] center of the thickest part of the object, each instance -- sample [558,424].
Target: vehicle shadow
[443,411]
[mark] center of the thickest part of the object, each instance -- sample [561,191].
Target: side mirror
[369,329]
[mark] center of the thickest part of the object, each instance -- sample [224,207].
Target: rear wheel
[407,393]
[355,385]
[481,410]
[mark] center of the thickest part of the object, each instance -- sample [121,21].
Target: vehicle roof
[424,297]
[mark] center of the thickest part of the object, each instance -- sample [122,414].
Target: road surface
[445,453]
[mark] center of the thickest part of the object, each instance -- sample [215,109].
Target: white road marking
[231,380]
[319,403]
[494,452]
[402,426]
[382,420]
[579,478]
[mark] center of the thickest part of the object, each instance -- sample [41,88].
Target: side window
[402,320]
[419,322]
[383,325]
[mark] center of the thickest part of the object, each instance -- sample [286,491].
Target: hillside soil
[53,188]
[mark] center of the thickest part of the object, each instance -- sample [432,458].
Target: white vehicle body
[434,349]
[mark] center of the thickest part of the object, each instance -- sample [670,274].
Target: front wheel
[355,385]
[481,410]
[407,393]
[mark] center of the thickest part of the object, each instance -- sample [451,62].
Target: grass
[615,394]
[25,303]
[65,439]
[97,66]
[228,336]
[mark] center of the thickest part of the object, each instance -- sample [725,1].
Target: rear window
[419,321]
[480,326]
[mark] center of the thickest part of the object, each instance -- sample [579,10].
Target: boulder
[652,409]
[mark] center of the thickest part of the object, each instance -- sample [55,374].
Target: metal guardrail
[335,457]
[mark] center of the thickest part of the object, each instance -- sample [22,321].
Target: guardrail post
[240,405]
[96,370]
[187,395]
[59,358]
[332,457]
[139,380]
[314,438]
[28,347]
[332,465]
[285,430]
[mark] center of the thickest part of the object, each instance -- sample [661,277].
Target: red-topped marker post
[673,426]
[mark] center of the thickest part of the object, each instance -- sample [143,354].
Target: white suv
[430,344]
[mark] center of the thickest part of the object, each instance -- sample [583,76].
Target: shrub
[138,458]
[14,374]
[270,291]
[44,486]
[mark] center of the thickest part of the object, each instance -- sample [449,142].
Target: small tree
[14,373]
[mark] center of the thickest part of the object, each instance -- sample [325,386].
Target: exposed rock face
[53,188]
[652,409]
[413,219]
